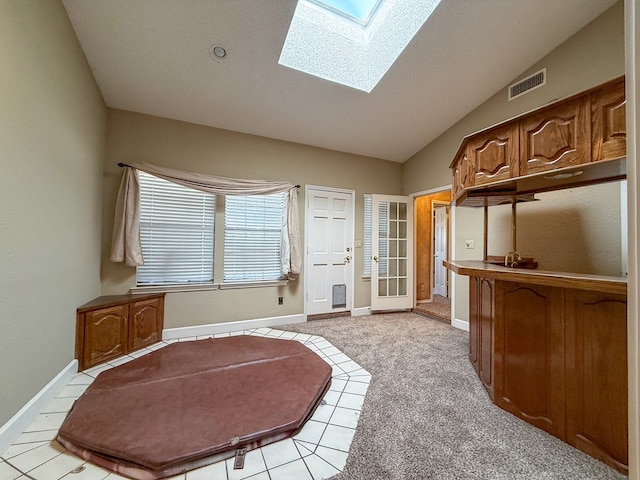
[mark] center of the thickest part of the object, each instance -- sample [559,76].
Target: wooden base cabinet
[481,347]
[596,357]
[111,326]
[556,358]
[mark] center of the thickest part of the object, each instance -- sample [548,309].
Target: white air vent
[532,82]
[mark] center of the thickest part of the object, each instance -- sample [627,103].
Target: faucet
[511,259]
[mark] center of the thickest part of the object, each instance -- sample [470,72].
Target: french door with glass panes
[392,247]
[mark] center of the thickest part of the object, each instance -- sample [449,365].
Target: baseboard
[27,414]
[213,328]
[461,324]
[361,311]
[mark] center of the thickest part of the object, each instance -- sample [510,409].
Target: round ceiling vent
[218,53]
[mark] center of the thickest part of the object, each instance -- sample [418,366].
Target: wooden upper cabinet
[608,122]
[462,169]
[555,138]
[494,155]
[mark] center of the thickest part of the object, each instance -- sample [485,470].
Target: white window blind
[253,237]
[366,243]
[176,233]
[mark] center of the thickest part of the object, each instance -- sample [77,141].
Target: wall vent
[532,82]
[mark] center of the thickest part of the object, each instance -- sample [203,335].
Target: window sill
[175,288]
[205,286]
[271,283]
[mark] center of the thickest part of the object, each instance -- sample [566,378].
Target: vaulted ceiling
[153,57]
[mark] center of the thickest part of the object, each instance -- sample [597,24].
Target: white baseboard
[21,420]
[461,324]
[361,311]
[213,328]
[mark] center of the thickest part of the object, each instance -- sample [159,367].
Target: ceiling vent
[532,82]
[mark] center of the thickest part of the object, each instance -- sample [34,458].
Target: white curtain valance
[125,245]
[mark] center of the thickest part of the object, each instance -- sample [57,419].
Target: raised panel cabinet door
[485,342]
[555,138]
[608,119]
[145,325]
[495,155]
[105,335]
[530,354]
[597,376]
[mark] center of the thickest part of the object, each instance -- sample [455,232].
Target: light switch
[468,244]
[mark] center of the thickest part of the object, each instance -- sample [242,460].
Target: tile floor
[318,451]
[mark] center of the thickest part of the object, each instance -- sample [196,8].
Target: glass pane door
[392,246]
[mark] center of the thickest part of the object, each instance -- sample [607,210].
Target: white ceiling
[152,56]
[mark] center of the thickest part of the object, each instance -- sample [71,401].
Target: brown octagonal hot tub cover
[195,403]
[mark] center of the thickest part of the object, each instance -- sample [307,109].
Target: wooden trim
[601,283]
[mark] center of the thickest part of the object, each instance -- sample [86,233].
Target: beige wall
[52,123]
[592,56]
[134,137]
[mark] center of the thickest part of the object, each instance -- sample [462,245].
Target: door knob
[375,258]
[347,259]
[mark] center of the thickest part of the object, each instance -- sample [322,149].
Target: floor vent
[532,82]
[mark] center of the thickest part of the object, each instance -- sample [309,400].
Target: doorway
[432,246]
[329,234]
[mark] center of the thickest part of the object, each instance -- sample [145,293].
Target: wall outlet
[280,300]
[468,244]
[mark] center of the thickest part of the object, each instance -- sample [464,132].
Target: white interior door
[392,252]
[329,253]
[439,250]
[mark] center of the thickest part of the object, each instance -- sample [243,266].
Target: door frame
[352,233]
[439,204]
[450,246]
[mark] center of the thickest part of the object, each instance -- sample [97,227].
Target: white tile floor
[318,451]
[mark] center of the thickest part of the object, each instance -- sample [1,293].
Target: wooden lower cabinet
[597,406]
[111,326]
[556,358]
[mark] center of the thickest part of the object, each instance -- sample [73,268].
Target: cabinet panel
[555,138]
[462,172]
[597,375]
[495,155]
[530,354]
[474,321]
[144,327]
[485,341]
[105,334]
[608,118]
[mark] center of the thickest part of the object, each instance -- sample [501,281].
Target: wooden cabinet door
[597,375]
[485,340]
[555,138]
[608,119]
[474,321]
[145,327]
[105,335]
[495,155]
[530,354]
[462,172]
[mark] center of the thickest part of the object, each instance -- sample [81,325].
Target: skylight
[360,11]
[329,38]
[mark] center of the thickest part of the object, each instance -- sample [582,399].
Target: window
[176,233]
[253,231]
[366,242]
[383,215]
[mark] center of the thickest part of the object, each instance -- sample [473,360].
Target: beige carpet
[439,308]
[426,415]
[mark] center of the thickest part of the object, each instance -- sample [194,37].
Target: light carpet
[426,415]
